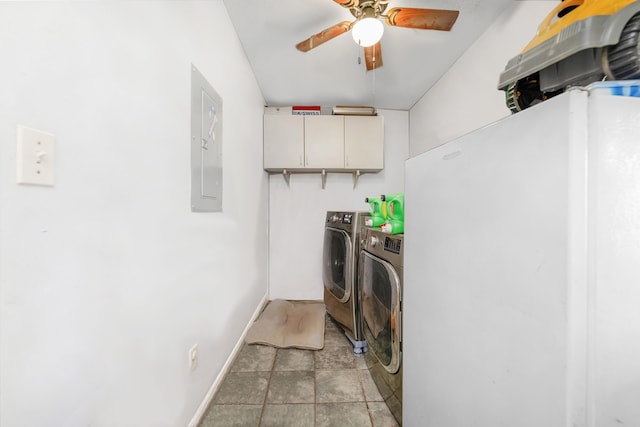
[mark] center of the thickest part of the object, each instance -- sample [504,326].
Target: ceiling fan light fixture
[367,31]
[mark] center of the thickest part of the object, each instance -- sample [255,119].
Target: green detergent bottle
[376,209]
[395,213]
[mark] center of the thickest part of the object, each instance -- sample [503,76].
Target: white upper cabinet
[364,142]
[333,143]
[283,141]
[324,142]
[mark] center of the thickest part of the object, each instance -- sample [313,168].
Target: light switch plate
[35,157]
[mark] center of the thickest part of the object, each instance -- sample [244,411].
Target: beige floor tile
[243,388]
[336,337]
[291,387]
[293,359]
[335,358]
[381,415]
[289,416]
[342,414]
[371,392]
[338,386]
[232,416]
[254,357]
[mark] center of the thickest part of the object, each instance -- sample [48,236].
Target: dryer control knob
[335,218]
[374,241]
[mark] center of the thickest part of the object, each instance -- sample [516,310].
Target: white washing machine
[340,273]
[380,282]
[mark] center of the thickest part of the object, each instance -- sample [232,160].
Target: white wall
[107,279]
[297,213]
[466,97]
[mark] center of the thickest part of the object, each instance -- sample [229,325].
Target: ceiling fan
[368,28]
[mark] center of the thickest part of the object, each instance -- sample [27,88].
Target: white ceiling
[334,73]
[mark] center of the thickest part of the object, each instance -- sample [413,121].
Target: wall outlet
[35,157]
[193,357]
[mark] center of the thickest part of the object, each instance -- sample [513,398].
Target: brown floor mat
[285,324]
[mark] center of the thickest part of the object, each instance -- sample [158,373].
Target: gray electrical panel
[206,145]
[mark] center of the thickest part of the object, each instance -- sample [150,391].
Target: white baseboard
[227,366]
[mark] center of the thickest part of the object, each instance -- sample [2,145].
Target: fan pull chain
[373,83]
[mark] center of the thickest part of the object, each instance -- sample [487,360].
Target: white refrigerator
[522,271]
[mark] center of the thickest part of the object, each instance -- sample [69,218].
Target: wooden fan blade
[422,19]
[324,36]
[373,56]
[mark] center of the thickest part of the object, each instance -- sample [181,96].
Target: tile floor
[291,387]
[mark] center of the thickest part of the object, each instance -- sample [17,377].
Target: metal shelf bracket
[356,175]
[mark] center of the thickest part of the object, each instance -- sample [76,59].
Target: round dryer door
[337,263]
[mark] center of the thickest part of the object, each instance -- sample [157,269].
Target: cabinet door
[324,142]
[283,141]
[364,142]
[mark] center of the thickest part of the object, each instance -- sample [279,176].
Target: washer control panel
[392,245]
